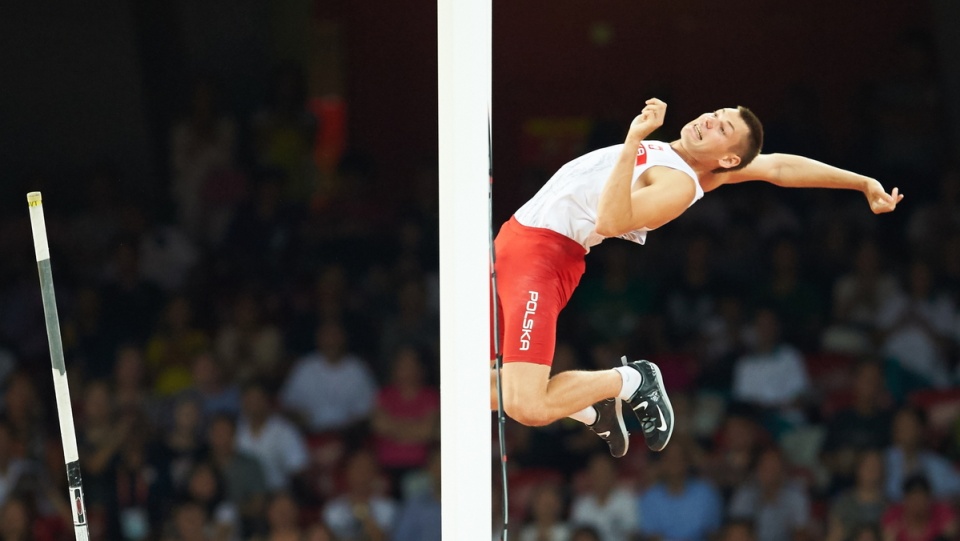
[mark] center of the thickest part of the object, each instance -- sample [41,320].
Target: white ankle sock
[631,381]
[587,415]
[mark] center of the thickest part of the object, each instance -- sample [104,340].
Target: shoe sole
[618,406]
[666,404]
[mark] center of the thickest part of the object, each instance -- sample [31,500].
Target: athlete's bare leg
[531,397]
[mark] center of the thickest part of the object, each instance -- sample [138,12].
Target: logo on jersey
[641,155]
[527,329]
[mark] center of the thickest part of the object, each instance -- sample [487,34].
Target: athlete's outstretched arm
[790,171]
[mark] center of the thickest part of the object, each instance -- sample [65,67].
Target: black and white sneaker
[610,426]
[651,405]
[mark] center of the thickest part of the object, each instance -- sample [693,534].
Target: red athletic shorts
[537,270]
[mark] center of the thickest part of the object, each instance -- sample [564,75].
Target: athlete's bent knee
[526,413]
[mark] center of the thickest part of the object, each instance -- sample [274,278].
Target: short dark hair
[223,417]
[871,527]
[256,385]
[916,482]
[584,530]
[739,522]
[753,141]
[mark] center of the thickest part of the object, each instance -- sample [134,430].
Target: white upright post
[464,29]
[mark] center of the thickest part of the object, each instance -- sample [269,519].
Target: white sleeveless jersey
[567,203]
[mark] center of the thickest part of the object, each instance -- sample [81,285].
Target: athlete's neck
[698,167]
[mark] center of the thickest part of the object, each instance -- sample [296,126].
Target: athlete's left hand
[880,201]
[648,120]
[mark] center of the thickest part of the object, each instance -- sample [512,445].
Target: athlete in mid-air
[623,191]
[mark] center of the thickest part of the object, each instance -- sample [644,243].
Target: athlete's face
[716,135]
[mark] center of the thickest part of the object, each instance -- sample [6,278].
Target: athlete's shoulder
[656,151]
[657,146]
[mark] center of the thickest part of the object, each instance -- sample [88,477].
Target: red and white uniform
[567,203]
[540,250]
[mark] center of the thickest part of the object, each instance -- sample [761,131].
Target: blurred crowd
[253,352]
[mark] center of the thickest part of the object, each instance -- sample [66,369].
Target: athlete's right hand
[880,201]
[648,120]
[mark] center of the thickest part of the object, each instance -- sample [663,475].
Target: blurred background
[241,203]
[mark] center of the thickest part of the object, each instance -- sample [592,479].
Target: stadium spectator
[25,412]
[739,441]
[611,302]
[190,522]
[206,488]
[772,375]
[544,520]
[271,438]
[857,297]
[244,483]
[131,389]
[909,455]
[919,517]
[585,533]
[16,519]
[174,344]
[916,329]
[605,504]
[142,491]
[182,445]
[867,532]
[406,419]
[249,346]
[738,530]
[862,504]
[788,290]
[681,505]
[361,512]
[690,296]
[130,303]
[217,394]
[863,425]
[202,151]
[779,506]
[283,132]
[419,516]
[283,519]
[330,388]
[411,322]
[102,435]
[11,466]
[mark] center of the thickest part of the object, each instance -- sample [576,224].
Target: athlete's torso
[568,202]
